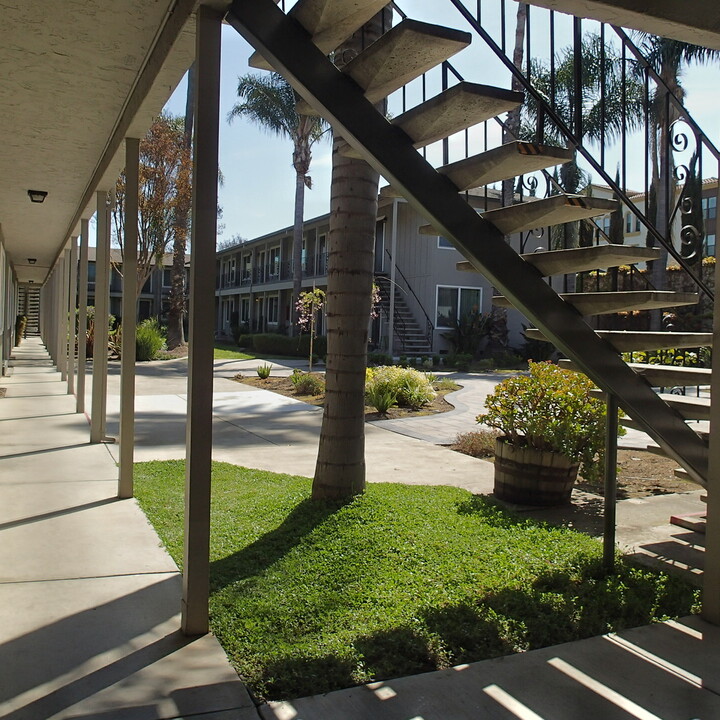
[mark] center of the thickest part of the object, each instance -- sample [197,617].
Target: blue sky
[259,183]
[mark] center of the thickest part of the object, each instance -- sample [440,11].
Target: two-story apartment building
[254,280]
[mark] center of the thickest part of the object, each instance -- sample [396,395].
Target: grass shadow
[272,546]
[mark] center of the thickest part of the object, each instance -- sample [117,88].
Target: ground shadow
[257,557]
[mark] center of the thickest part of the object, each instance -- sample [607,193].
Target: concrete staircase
[405,52]
[409,337]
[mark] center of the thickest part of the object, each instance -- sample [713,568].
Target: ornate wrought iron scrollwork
[691,240]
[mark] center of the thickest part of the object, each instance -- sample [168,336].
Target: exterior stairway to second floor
[409,338]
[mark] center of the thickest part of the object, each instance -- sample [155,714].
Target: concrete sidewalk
[89,600]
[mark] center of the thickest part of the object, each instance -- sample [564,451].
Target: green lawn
[311,597]
[224,351]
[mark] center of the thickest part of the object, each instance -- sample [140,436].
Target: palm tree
[270,102]
[667,58]
[606,96]
[340,467]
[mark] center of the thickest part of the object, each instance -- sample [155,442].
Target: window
[454,303]
[91,272]
[246,267]
[167,277]
[710,244]
[148,286]
[443,242]
[274,262]
[709,208]
[273,306]
[606,224]
[628,222]
[245,310]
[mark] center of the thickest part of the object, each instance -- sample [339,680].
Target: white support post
[393,273]
[82,316]
[72,315]
[129,318]
[196,567]
[59,306]
[711,569]
[63,327]
[102,299]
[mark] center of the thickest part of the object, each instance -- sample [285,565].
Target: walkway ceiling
[77,77]
[696,22]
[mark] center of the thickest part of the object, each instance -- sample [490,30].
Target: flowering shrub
[551,409]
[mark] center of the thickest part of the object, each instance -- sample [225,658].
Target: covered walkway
[89,601]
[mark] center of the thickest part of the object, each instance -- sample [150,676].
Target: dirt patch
[2,392]
[642,473]
[283,386]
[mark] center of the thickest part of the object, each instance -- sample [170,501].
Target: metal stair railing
[429,327]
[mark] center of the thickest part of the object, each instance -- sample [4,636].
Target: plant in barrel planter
[551,427]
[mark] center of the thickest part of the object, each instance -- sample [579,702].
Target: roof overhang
[78,77]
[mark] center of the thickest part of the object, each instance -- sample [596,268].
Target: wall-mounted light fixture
[32,261]
[37,196]
[31,281]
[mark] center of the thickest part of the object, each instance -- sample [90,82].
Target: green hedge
[276,344]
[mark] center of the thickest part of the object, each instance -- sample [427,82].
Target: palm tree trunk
[297,248]
[340,468]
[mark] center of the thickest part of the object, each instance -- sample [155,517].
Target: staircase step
[504,162]
[631,340]
[689,521]
[575,260]
[691,408]
[500,163]
[330,22]
[399,56]
[553,210]
[453,110]
[663,375]
[607,303]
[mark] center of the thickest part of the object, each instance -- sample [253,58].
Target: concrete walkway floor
[88,599]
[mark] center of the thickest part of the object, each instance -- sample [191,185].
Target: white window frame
[459,289]
[440,246]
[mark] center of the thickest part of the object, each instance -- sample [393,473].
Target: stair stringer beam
[335,96]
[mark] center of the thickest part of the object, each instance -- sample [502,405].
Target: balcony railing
[314,266]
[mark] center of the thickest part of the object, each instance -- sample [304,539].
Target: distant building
[154,299]
[254,280]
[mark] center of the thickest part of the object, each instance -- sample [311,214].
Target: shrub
[284,345]
[445,383]
[479,444]
[461,361]
[551,409]
[381,397]
[263,371]
[378,358]
[307,383]
[410,387]
[245,341]
[148,339]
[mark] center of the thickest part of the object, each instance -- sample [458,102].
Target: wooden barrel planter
[526,476]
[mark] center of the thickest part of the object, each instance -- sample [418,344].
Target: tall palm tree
[340,467]
[269,101]
[668,58]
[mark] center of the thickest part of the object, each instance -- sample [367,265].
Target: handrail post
[610,484]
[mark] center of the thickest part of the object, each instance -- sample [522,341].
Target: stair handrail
[429,327]
[576,142]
